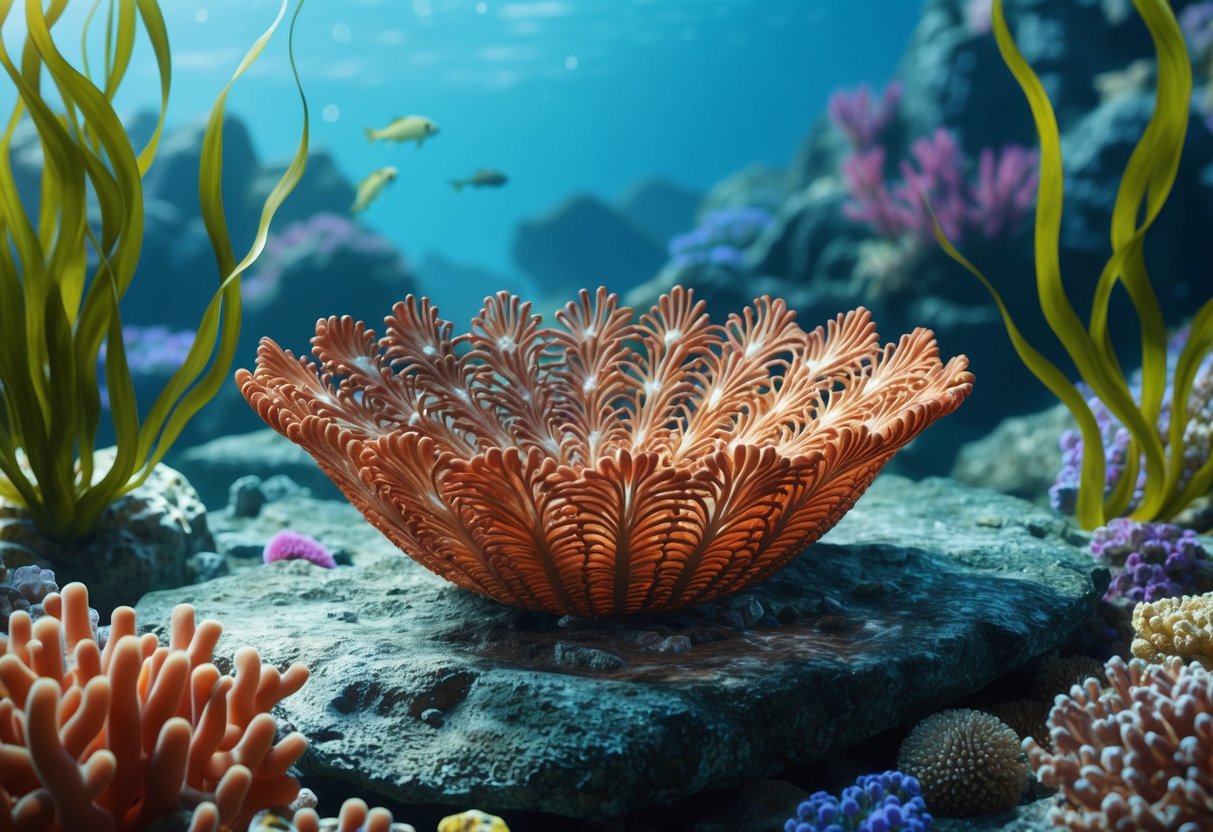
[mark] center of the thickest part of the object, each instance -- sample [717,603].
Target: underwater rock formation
[952,77]
[426,693]
[213,466]
[143,541]
[582,240]
[660,207]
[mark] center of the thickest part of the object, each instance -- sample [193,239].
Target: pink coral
[1136,757]
[291,545]
[993,203]
[860,116]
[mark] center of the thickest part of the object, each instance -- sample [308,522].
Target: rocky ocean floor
[428,699]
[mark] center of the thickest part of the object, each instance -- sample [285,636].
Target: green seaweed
[58,305]
[1144,188]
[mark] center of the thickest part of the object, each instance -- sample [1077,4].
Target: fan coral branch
[608,465]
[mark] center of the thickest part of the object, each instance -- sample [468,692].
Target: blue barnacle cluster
[720,238]
[889,802]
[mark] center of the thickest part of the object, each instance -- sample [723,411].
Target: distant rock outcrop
[660,207]
[586,242]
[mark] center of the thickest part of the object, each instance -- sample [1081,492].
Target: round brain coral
[968,762]
[1139,757]
[608,465]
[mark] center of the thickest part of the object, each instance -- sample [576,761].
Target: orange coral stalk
[606,465]
[115,739]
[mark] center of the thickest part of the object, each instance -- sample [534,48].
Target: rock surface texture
[144,541]
[426,693]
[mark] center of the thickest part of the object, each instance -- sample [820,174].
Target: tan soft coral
[606,465]
[111,740]
[1180,627]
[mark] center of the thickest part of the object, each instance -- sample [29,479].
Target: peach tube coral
[114,739]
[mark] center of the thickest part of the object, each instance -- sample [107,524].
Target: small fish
[404,129]
[482,178]
[371,187]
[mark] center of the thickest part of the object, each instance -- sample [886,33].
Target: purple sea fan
[291,545]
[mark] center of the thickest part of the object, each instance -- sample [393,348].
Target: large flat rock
[426,693]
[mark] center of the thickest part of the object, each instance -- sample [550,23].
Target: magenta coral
[291,545]
[1003,192]
[860,116]
[994,203]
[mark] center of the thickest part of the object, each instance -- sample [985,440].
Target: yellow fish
[371,187]
[404,129]
[482,178]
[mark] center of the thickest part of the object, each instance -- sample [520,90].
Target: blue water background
[565,96]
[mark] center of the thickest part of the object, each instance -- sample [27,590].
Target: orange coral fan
[609,465]
[114,739]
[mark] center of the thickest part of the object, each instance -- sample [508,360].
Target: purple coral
[25,587]
[1004,190]
[321,235]
[889,802]
[979,16]
[994,203]
[1197,437]
[1196,20]
[1150,560]
[291,545]
[152,352]
[720,237]
[871,202]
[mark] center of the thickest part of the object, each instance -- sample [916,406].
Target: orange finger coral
[608,465]
[114,739]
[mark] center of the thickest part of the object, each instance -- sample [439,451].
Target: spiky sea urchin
[967,761]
